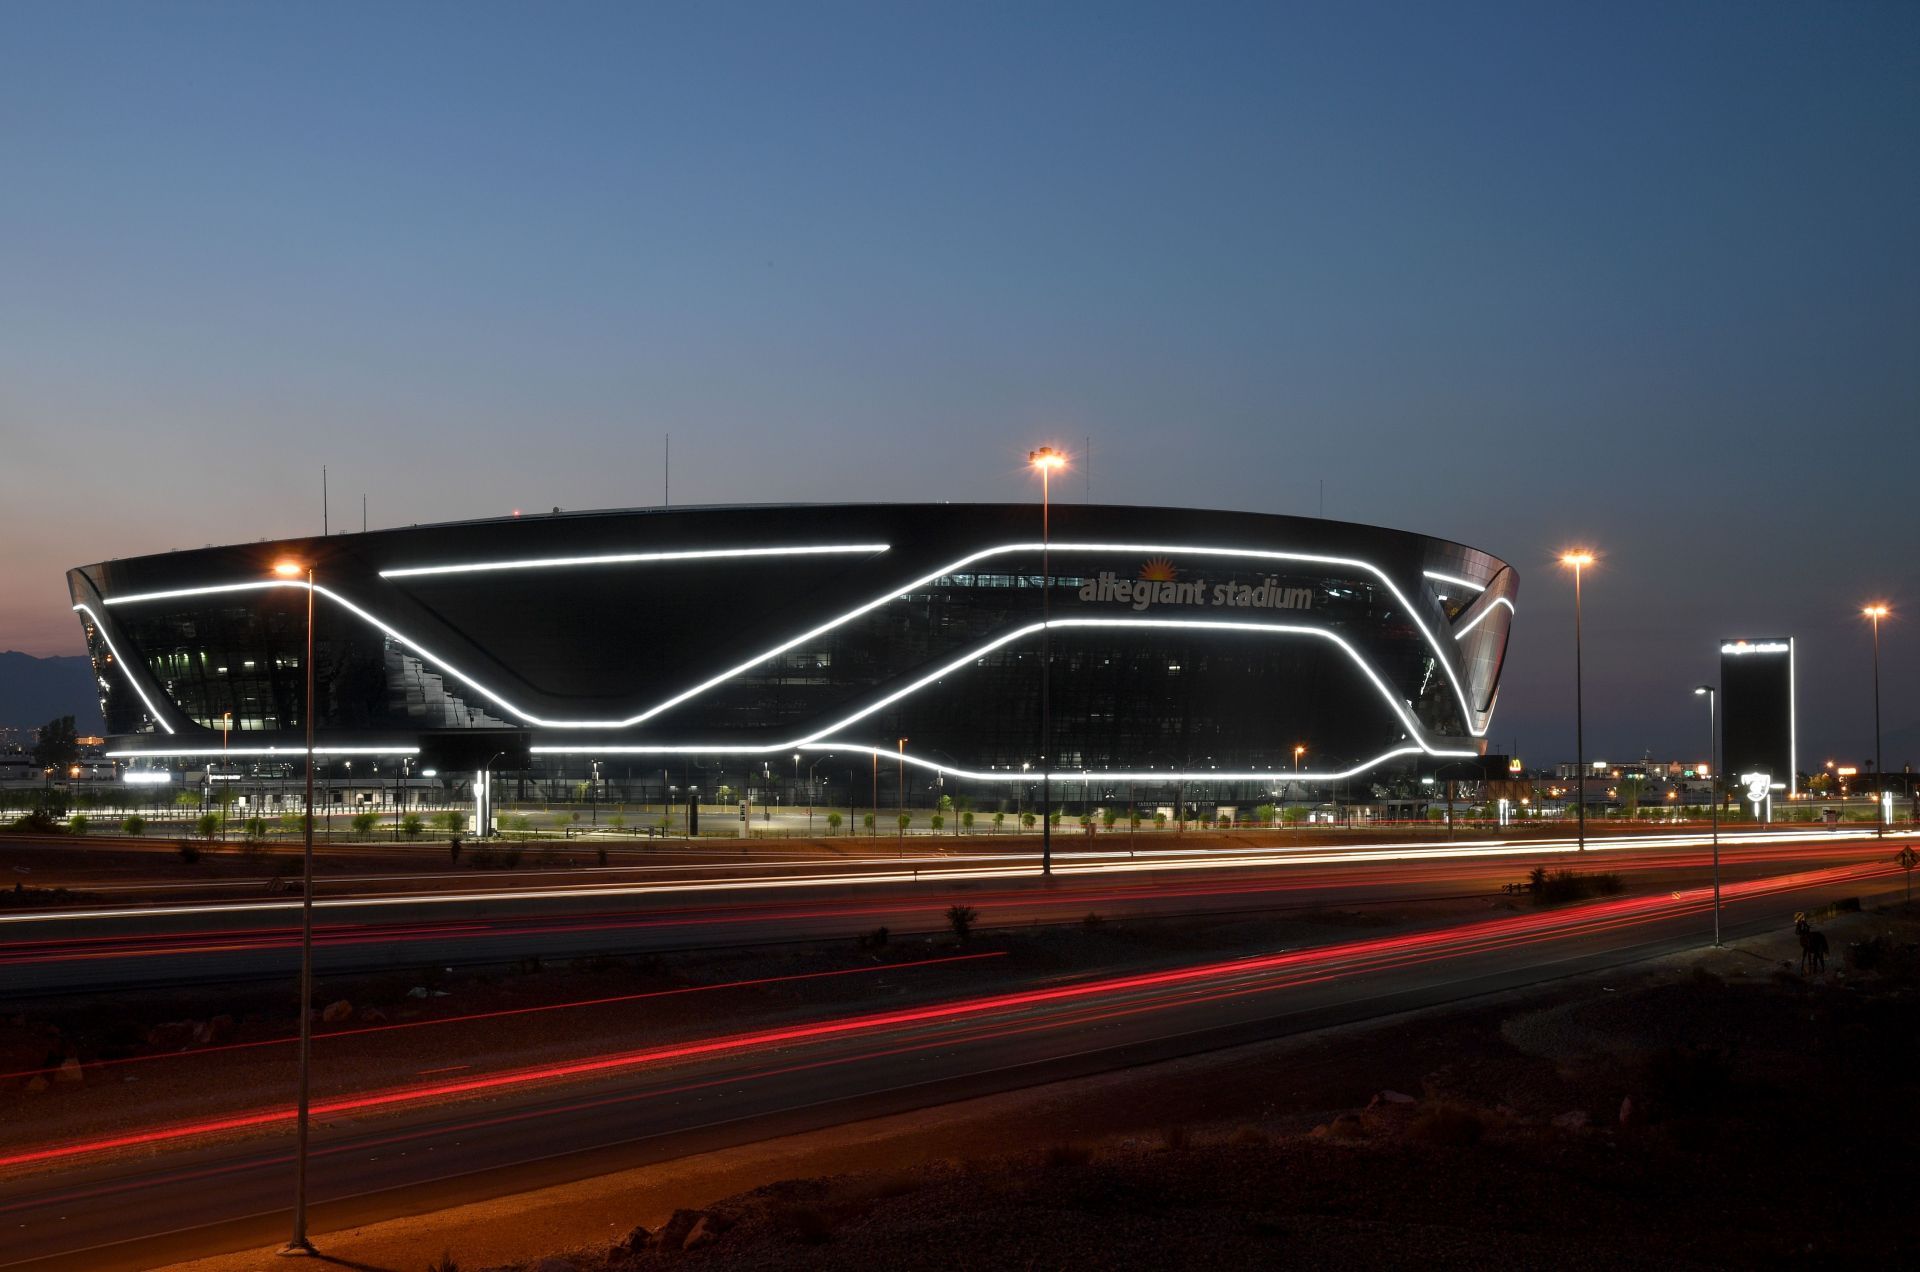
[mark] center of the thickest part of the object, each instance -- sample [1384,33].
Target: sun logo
[1159,570]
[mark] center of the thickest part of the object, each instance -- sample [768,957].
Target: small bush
[255,830]
[936,821]
[833,821]
[133,824]
[905,820]
[875,940]
[363,823]
[961,919]
[78,823]
[1451,1125]
[1559,887]
[866,820]
[207,825]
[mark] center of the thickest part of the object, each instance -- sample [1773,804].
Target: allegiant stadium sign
[1144,593]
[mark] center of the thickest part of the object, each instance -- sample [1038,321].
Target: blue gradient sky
[1645,274]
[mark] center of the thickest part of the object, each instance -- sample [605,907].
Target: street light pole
[1579,559]
[299,1243]
[1876,612]
[1046,459]
[1713,783]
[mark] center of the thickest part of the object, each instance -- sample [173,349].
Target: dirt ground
[1717,1110]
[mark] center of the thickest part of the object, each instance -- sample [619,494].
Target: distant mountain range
[35,690]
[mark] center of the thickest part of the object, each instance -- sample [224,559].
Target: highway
[144,1195]
[377,921]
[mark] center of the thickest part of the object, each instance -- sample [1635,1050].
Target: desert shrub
[78,823]
[411,826]
[1558,887]
[133,824]
[1452,1125]
[363,823]
[207,825]
[961,919]
[254,829]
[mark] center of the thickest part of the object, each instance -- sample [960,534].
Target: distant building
[1757,712]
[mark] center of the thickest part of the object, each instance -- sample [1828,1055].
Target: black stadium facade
[1233,649]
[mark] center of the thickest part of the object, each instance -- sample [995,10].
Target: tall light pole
[1579,559]
[298,1243]
[1713,788]
[1877,611]
[1046,460]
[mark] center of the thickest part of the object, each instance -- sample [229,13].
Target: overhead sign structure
[1758,716]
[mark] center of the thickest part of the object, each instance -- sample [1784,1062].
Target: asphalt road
[376,922]
[175,1192]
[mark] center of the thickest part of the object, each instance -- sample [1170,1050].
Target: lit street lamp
[1713,789]
[298,1243]
[1579,559]
[1877,611]
[1046,460]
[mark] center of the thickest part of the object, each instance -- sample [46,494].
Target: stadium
[1235,650]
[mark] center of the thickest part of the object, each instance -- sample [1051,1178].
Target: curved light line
[1467,710]
[1455,579]
[1481,617]
[989,775]
[631,558]
[121,663]
[813,741]
[1205,775]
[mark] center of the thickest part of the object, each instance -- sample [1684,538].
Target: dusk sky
[1640,275]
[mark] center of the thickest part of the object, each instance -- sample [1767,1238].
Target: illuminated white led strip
[813,741]
[1481,617]
[892,594]
[633,558]
[1469,584]
[121,663]
[289,752]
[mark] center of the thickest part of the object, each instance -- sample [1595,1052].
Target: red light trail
[1164,986]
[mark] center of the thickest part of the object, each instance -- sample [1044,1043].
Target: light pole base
[302,1248]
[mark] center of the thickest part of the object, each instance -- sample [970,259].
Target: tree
[966,819]
[78,823]
[866,819]
[411,825]
[133,824]
[58,744]
[937,821]
[1159,820]
[1108,816]
[905,820]
[999,820]
[1027,820]
[833,821]
[207,825]
[1629,796]
[363,823]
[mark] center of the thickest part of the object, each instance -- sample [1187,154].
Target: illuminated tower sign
[1757,709]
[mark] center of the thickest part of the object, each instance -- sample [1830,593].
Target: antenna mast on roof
[324,530]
